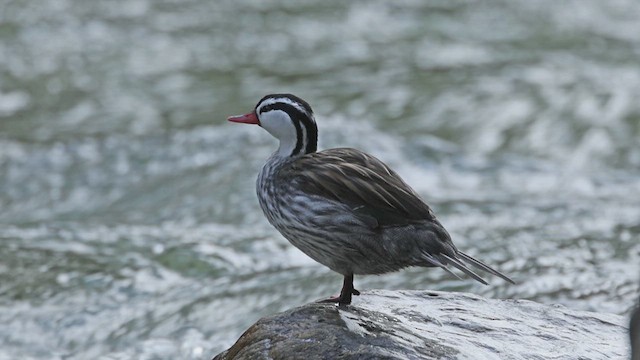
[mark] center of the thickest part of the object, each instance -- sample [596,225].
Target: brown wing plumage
[366,184]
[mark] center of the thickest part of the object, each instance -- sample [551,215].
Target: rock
[433,325]
[634,333]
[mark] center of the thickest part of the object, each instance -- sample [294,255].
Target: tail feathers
[435,262]
[462,267]
[442,260]
[482,266]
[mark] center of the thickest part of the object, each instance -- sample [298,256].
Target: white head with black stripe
[289,119]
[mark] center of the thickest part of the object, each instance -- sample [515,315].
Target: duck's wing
[377,195]
[368,186]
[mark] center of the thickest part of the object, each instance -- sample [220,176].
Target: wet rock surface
[634,333]
[433,325]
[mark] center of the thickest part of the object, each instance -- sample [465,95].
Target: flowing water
[129,224]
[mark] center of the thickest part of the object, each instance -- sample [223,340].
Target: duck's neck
[305,141]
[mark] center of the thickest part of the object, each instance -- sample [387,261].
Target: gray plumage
[344,208]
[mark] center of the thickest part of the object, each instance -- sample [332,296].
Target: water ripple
[130,227]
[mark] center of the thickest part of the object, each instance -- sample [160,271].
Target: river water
[129,224]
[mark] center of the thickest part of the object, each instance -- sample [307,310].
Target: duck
[344,208]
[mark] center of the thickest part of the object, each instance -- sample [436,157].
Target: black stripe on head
[299,118]
[305,105]
[312,137]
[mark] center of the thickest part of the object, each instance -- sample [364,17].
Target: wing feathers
[377,195]
[360,181]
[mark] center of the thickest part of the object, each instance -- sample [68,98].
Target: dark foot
[342,299]
[345,295]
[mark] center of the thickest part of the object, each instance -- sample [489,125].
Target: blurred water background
[129,224]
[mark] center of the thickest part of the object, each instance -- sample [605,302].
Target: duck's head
[289,119]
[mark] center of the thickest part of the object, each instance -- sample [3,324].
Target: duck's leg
[345,294]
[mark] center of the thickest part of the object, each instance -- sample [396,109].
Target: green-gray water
[129,225]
